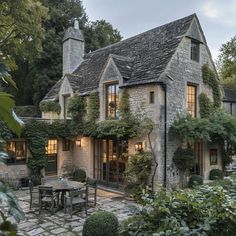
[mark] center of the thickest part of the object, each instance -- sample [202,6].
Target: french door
[110,158]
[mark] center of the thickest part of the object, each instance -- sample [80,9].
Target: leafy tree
[21,31]
[37,77]
[227,63]
[99,34]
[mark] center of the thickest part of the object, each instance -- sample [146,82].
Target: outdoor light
[78,143]
[138,146]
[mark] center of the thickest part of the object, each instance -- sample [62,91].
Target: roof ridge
[132,37]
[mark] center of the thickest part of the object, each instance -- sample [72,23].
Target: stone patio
[62,224]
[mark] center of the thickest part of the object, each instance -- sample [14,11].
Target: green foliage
[137,173]
[205,106]
[219,127]
[195,180]
[93,107]
[124,105]
[99,34]
[50,106]
[205,210]
[79,175]
[216,174]
[227,59]
[27,111]
[37,134]
[7,198]
[21,30]
[209,77]
[184,159]
[190,129]
[35,78]
[101,223]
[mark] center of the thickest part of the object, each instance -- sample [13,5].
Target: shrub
[101,224]
[216,174]
[184,158]
[195,180]
[50,106]
[205,210]
[79,175]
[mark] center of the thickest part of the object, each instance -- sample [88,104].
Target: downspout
[164,87]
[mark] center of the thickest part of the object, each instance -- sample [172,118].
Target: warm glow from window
[51,147]
[112,100]
[191,100]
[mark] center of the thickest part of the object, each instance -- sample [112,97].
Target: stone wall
[183,71]
[140,105]
[83,156]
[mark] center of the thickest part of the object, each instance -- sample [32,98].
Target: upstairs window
[195,51]
[112,100]
[16,152]
[192,100]
[65,105]
[151,97]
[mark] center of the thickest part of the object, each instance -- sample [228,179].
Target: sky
[131,17]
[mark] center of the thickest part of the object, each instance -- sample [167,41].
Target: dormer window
[195,51]
[112,100]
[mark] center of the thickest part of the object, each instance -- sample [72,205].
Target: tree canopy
[227,63]
[21,30]
[35,78]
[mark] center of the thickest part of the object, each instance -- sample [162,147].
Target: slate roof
[53,92]
[140,59]
[229,95]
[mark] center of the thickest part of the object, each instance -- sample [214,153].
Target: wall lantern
[138,146]
[78,143]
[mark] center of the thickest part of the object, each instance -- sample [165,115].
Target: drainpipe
[164,87]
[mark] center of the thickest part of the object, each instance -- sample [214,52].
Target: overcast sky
[131,17]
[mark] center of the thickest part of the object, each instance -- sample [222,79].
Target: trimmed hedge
[216,174]
[79,175]
[195,180]
[101,223]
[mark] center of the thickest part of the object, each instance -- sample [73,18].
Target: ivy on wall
[50,106]
[205,105]
[209,77]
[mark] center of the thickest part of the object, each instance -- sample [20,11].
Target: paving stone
[36,231]
[58,230]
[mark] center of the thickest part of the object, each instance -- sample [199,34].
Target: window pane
[195,51]
[112,100]
[51,146]
[151,97]
[191,100]
[16,151]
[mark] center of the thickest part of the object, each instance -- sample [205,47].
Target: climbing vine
[209,77]
[50,106]
[205,105]
[219,127]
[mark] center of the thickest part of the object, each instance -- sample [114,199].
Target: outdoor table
[62,186]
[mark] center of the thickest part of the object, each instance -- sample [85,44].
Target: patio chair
[48,198]
[34,193]
[91,185]
[77,197]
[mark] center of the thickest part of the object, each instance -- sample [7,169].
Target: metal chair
[48,197]
[34,193]
[77,197]
[91,185]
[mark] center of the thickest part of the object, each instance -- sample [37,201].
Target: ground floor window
[198,167]
[51,152]
[110,158]
[16,152]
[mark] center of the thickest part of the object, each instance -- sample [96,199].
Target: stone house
[161,70]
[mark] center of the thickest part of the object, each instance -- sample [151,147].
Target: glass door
[110,158]
[51,152]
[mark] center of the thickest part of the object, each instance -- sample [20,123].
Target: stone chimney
[73,48]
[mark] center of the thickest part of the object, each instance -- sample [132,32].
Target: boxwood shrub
[101,223]
[216,174]
[195,180]
[79,175]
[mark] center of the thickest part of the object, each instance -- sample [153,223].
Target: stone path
[62,224]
